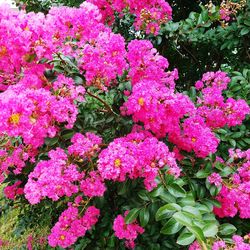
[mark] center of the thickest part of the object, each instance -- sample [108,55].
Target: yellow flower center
[152,29]
[62,237]
[194,139]
[14,118]
[3,51]
[117,163]
[141,101]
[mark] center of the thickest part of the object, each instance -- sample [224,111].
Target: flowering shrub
[94,131]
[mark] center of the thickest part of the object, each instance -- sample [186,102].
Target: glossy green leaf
[185,238]
[171,227]
[167,211]
[132,215]
[144,217]
[227,229]
[176,190]
[210,229]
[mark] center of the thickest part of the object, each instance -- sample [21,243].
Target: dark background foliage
[194,42]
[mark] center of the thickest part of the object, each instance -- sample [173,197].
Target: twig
[103,102]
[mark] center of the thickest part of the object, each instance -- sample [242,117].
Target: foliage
[97,138]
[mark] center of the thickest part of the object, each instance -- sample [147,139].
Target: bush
[103,144]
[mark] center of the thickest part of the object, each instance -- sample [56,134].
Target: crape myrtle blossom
[129,232]
[236,192]
[13,190]
[58,177]
[138,155]
[238,243]
[149,15]
[33,114]
[53,178]
[35,106]
[71,225]
[217,111]
[168,113]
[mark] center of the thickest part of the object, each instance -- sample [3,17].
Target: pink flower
[93,185]
[71,226]
[53,178]
[139,154]
[129,232]
[13,190]
[219,245]
[84,145]
[215,179]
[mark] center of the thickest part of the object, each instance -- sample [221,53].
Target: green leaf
[194,212]
[214,190]
[210,202]
[176,190]
[244,31]
[132,215]
[236,135]
[167,211]
[197,232]
[226,171]
[51,141]
[171,227]
[144,217]
[210,229]
[67,134]
[203,173]
[187,201]
[167,197]
[227,229]
[222,131]
[143,195]
[232,142]
[185,238]
[183,218]
[157,191]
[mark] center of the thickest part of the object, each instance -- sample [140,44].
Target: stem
[203,245]
[103,102]
[85,205]
[162,179]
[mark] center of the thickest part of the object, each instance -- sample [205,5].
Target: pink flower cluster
[145,63]
[33,114]
[129,232]
[26,39]
[235,192]
[71,226]
[161,111]
[13,158]
[103,59]
[238,243]
[217,111]
[53,178]
[93,185]
[215,179]
[58,177]
[150,14]
[34,107]
[85,146]
[138,155]
[164,112]
[13,190]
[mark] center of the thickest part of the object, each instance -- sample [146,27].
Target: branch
[103,102]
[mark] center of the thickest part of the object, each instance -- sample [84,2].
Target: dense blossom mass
[72,225]
[39,100]
[149,14]
[129,232]
[235,193]
[139,154]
